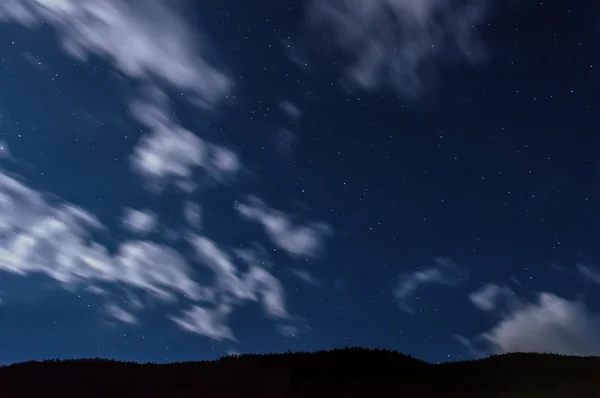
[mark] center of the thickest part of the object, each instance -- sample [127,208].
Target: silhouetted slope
[350,372]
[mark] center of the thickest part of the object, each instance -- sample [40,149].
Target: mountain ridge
[349,372]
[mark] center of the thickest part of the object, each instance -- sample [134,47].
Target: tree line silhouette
[349,372]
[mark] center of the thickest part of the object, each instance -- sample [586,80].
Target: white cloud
[394,42]
[443,272]
[37,236]
[56,240]
[291,110]
[488,296]
[145,40]
[305,276]
[171,153]
[206,322]
[297,240]
[193,214]
[589,273]
[114,311]
[4,151]
[256,284]
[139,221]
[158,269]
[231,288]
[552,324]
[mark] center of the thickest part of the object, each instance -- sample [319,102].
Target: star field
[182,181]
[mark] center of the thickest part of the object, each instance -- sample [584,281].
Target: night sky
[180,180]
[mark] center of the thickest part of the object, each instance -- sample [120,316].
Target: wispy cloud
[291,110]
[193,214]
[398,42]
[297,240]
[292,331]
[170,154]
[145,40]
[256,284]
[139,221]
[116,312]
[590,274]
[206,322]
[487,297]
[56,240]
[443,272]
[4,151]
[305,276]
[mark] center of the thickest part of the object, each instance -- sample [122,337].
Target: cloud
[552,324]
[465,342]
[257,284]
[589,273]
[120,314]
[305,276]
[4,151]
[193,214]
[296,240]
[291,110]
[488,296]
[56,239]
[443,272]
[169,153]
[398,42]
[291,331]
[206,322]
[145,40]
[139,221]
[255,256]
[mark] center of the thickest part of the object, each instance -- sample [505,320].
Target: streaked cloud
[590,274]
[120,314]
[305,276]
[193,214]
[297,240]
[398,43]
[487,297]
[170,154]
[444,271]
[139,221]
[211,323]
[149,41]
[56,240]
[291,110]
[257,284]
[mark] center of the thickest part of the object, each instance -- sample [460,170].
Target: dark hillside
[350,372]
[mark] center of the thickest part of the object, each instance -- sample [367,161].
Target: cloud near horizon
[549,323]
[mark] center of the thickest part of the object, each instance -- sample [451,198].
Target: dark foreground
[343,373]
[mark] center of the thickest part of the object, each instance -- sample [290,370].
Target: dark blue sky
[180,180]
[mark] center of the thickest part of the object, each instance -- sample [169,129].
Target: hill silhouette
[350,372]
